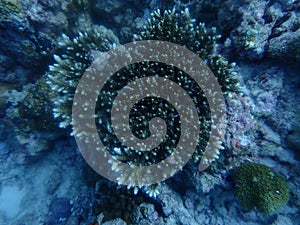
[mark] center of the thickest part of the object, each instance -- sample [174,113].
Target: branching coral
[172,26]
[50,100]
[180,28]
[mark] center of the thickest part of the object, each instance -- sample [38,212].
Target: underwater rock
[250,37]
[4,150]
[14,26]
[108,6]
[17,41]
[173,207]
[293,138]
[6,64]
[285,47]
[53,181]
[146,214]
[31,146]
[115,222]
[118,15]
[29,33]
[266,30]
[281,219]
[285,36]
[59,211]
[266,86]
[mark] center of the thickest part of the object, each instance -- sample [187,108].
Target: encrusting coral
[60,82]
[259,186]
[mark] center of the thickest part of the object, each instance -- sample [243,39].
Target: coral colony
[60,82]
[52,96]
[259,186]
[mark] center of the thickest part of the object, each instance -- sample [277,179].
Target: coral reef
[253,29]
[259,186]
[57,87]
[267,29]
[117,14]
[29,31]
[263,120]
[118,198]
[60,210]
[293,138]
[251,37]
[179,28]
[146,214]
[51,98]
[17,45]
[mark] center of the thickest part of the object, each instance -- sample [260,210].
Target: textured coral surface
[259,186]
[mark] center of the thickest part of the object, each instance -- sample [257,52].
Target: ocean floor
[44,180]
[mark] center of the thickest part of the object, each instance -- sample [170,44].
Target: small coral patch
[261,187]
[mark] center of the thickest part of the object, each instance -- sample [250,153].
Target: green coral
[64,75]
[77,53]
[259,186]
[180,28]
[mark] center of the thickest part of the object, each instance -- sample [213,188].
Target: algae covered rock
[259,186]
